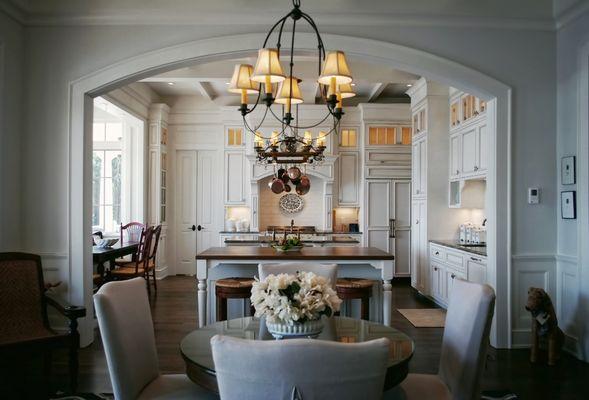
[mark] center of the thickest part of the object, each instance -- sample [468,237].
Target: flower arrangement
[292,299]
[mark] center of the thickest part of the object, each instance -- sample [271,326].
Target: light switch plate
[533,195]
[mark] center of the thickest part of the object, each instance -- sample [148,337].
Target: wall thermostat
[533,195]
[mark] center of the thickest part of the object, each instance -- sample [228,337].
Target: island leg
[387,301]
[202,302]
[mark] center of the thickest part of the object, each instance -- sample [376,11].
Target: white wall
[572,264]
[56,56]
[11,61]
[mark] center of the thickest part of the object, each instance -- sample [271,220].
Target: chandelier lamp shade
[277,86]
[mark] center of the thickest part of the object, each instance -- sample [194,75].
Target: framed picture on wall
[567,170]
[568,204]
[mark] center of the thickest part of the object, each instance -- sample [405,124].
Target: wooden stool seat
[231,288]
[356,288]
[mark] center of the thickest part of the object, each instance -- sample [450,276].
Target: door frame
[443,70]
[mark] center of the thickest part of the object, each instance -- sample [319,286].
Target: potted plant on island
[294,304]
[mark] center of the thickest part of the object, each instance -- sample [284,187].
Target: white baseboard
[161,272]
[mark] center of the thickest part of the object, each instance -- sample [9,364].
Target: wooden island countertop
[306,254]
[253,255]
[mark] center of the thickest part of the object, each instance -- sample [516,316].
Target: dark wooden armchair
[25,330]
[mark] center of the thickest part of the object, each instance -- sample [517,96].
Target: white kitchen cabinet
[482,148]
[388,217]
[455,155]
[468,159]
[419,167]
[448,264]
[348,178]
[419,246]
[234,185]
[476,267]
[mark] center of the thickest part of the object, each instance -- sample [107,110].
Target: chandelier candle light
[288,146]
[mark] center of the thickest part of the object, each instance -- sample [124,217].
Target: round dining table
[198,356]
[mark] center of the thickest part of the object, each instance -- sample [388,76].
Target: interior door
[194,207]
[186,163]
[400,227]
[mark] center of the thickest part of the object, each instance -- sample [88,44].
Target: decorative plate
[291,203]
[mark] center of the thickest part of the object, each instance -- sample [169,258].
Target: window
[117,168]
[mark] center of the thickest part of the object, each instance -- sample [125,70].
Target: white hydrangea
[276,298]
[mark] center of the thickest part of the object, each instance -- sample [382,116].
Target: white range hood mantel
[325,171]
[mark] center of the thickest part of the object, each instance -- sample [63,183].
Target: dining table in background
[200,367]
[102,255]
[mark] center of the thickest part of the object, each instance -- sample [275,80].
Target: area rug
[425,317]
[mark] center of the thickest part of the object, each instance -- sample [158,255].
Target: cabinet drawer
[437,253]
[396,156]
[455,259]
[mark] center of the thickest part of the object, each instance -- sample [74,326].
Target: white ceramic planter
[309,329]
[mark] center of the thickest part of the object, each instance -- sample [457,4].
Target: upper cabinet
[348,138]
[420,120]
[419,168]
[234,137]
[388,135]
[235,166]
[468,137]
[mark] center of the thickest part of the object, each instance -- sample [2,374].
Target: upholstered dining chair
[126,327]
[464,348]
[328,271]
[304,369]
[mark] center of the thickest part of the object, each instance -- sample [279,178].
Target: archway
[430,66]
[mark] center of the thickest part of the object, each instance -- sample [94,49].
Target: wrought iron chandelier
[268,81]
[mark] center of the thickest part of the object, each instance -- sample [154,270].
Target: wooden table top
[306,253]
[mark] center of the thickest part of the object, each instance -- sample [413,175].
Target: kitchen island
[214,256]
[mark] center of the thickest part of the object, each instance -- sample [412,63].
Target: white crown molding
[571,14]
[255,19]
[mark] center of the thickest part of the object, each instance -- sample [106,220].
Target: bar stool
[356,288]
[231,288]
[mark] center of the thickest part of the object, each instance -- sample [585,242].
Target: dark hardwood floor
[174,315]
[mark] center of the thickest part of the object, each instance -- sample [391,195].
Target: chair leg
[146,277]
[74,366]
[365,308]
[154,280]
[221,308]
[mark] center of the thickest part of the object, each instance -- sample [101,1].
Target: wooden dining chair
[126,329]
[137,267]
[25,330]
[131,232]
[152,260]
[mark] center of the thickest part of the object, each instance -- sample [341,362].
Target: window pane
[114,131]
[109,224]
[95,216]
[107,199]
[116,179]
[98,132]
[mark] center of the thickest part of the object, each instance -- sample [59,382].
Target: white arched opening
[419,62]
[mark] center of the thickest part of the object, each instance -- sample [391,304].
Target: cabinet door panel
[482,148]
[348,178]
[416,167]
[469,151]
[234,175]
[423,167]
[455,156]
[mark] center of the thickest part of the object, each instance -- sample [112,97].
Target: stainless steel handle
[476,259]
[392,228]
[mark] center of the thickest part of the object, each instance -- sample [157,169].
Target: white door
[194,207]
[400,228]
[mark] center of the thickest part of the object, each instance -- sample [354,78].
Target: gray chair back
[313,369]
[466,338]
[126,327]
[328,271]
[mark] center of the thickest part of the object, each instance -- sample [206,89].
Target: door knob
[193,228]
[199,228]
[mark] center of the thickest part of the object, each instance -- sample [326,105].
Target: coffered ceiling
[534,13]
[372,83]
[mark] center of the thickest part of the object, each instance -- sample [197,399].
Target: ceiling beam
[206,90]
[377,89]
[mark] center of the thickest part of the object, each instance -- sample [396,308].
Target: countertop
[306,253]
[315,241]
[316,233]
[478,250]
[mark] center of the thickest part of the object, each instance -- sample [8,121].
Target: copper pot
[294,173]
[276,185]
[304,186]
